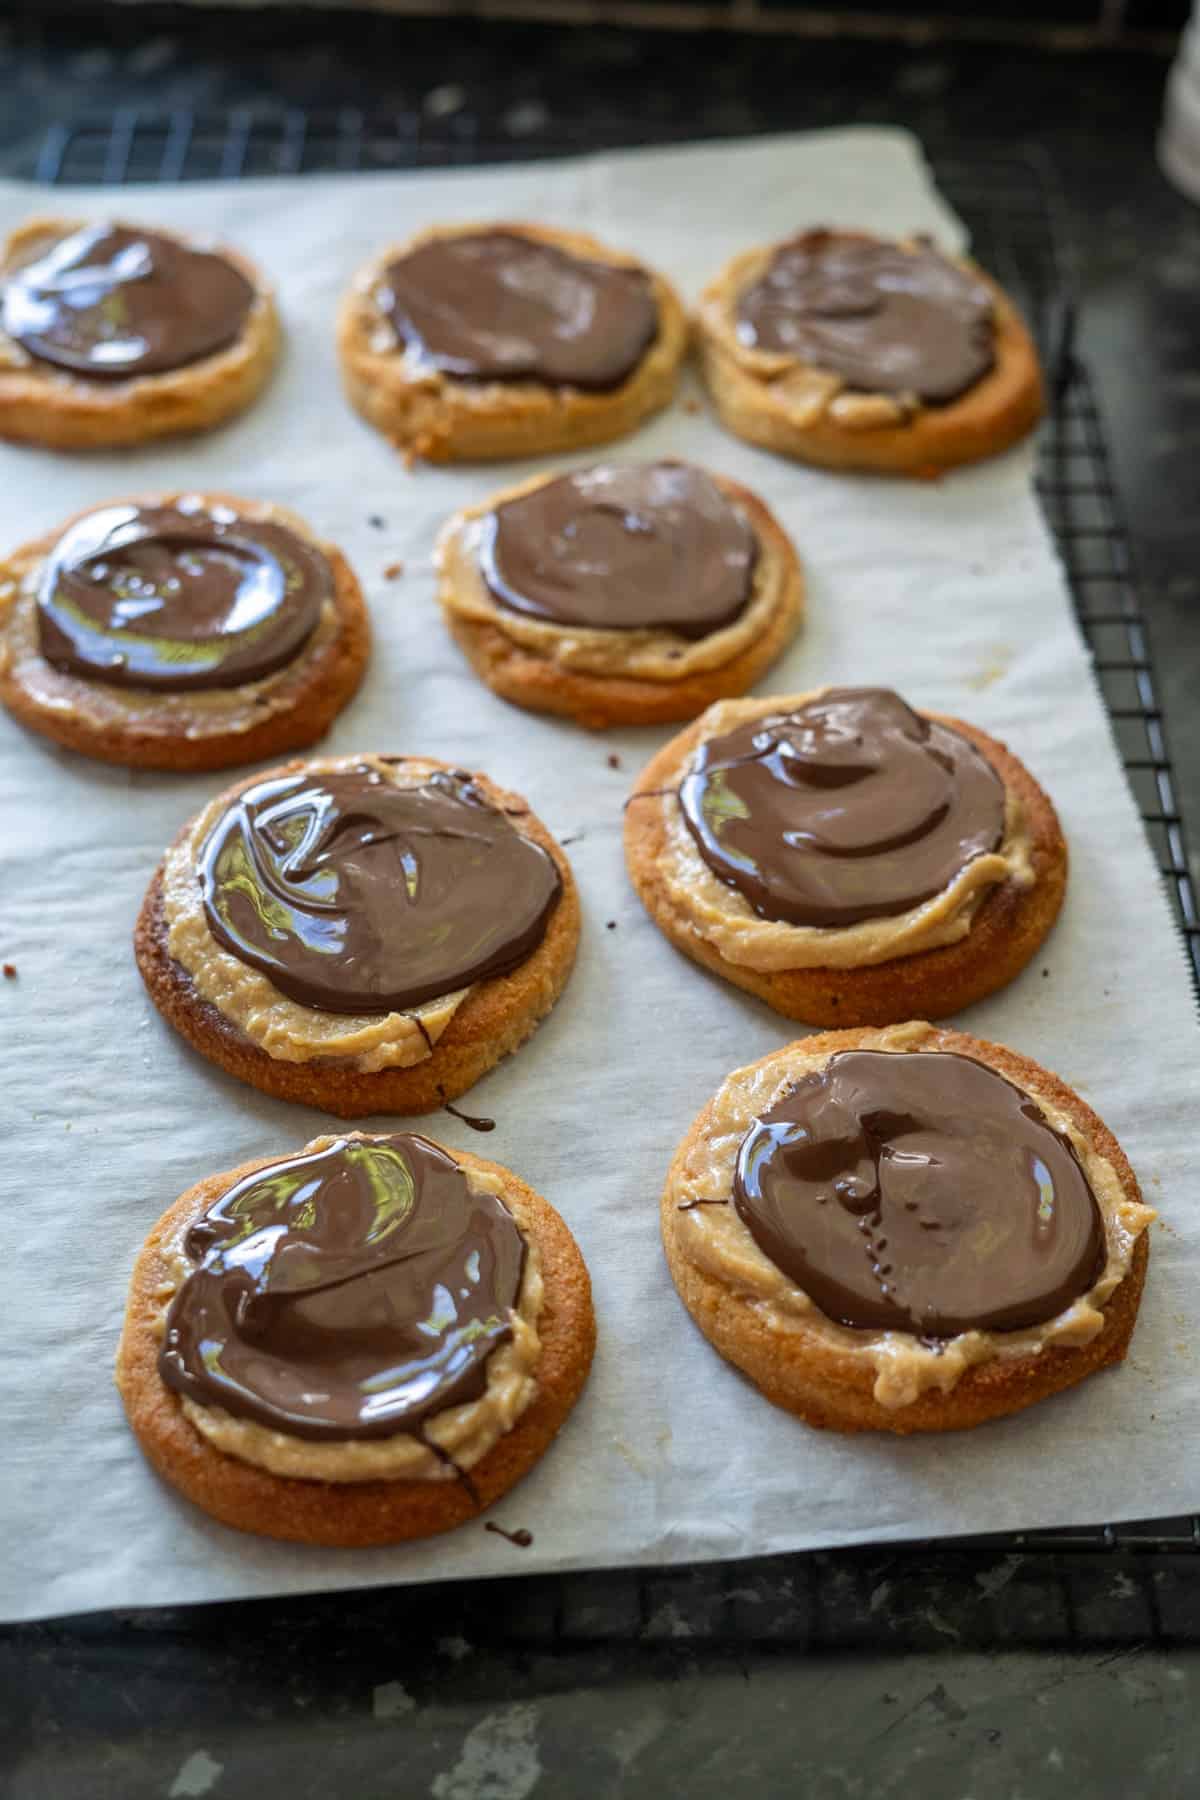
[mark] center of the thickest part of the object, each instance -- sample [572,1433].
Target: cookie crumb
[393,571]
[614,761]
[691,406]
[10,971]
[379,523]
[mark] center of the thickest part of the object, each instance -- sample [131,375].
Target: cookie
[905,1230]
[180,631]
[473,342]
[163,336]
[293,1361]
[844,858]
[632,595]
[857,352]
[362,934]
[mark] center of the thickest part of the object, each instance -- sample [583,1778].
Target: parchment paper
[949,591]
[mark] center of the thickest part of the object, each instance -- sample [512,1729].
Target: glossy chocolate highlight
[852,807]
[920,1192]
[349,1293]
[496,306]
[179,597]
[655,547]
[354,895]
[112,301]
[888,320]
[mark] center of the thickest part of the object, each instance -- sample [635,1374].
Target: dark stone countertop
[949,1671]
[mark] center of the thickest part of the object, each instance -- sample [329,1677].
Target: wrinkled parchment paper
[950,591]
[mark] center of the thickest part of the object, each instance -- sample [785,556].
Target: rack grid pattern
[1010,203]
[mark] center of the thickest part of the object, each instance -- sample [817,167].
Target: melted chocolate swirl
[656,547]
[886,319]
[852,807]
[354,895]
[113,301]
[348,1293]
[920,1192]
[179,597]
[496,306]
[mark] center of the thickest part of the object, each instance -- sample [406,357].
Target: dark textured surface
[946,1671]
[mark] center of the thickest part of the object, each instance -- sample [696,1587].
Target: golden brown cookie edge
[356,1514]
[330,682]
[495,1019]
[485,422]
[994,414]
[834,1391]
[537,684]
[59,412]
[1009,927]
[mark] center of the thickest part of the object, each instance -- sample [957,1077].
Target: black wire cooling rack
[980,1593]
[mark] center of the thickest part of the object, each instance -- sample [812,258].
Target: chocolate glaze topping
[178,597]
[886,319]
[495,306]
[852,807]
[651,547]
[110,301]
[357,896]
[920,1192]
[350,1293]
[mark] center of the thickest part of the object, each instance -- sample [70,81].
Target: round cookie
[1003,886]
[702,585]
[883,1377]
[260,634]
[421,999]
[166,336]
[855,352]
[464,344]
[206,1454]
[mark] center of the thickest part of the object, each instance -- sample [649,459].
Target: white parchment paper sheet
[949,591]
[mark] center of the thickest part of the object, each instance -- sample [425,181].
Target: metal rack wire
[1009,202]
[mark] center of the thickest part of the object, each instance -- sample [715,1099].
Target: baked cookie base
[441,419]
[40,404]
[832,1390]
[495,1018]
[355,1514]
[315,690]
[990,417]
[538,684]
[1009,926]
